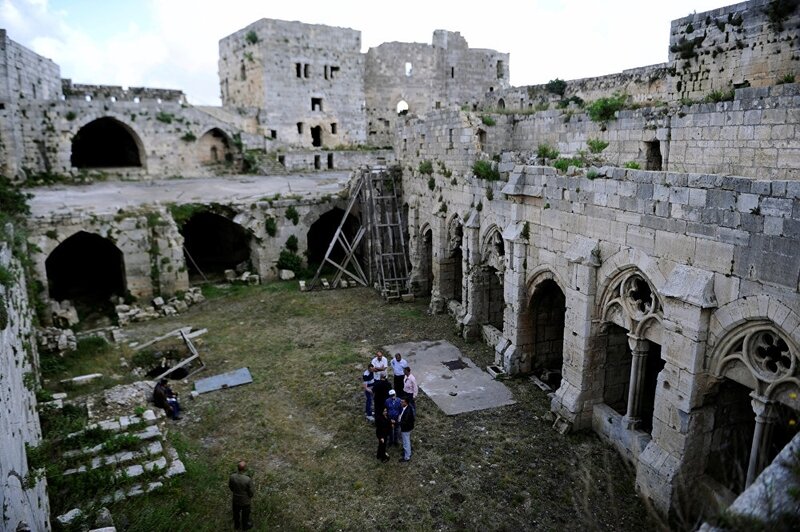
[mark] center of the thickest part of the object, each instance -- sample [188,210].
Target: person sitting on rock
[164,397]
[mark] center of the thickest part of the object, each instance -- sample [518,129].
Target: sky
[173,44]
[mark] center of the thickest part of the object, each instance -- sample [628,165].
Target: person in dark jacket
[164,397]
[406,419]
[381,391]
[383,428]
[242,488]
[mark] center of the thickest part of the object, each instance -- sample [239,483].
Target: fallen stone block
[158,302]
[69,517]
[286,275]
[302,286]
[175,468]
[230,275]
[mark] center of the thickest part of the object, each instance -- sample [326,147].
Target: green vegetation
[271,226]
[604,109]
[596,145]
[787,78]
[545,151]
[292,214]
[189,137]
[251,37]
[425,167]
[291,244]
[488,120]
[778,11]
[563,163]
[167,118]
[556,86]
[632,165]
[431,183]
[526,231]
[685,48]
[6,277]
[577,100]
[485,170]
[289,261]
[717,96]
[591,174]
[489,193]
[70,116]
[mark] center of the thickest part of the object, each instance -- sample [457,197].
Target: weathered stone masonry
[23,498]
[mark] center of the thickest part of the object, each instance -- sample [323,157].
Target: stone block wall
[25,75]
[309,161]
[444,75]
[751,44]
[22,497]
[167,133]
[279,67]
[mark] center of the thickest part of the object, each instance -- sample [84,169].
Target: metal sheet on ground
[230,379]
[465,388]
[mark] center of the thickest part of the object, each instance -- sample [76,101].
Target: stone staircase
[147,466]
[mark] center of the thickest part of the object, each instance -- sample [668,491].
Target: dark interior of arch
[548,310]
[85,268]
[321,233]
[105,143]
[214,244]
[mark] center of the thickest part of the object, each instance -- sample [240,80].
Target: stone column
[512,353]
[439,249]
[474,280]
[765,417]
[639,349]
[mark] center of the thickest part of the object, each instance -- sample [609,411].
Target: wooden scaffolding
[377,191]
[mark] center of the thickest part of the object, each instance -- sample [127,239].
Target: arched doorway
[547,310]
[489,302]
[87,270]
[214,147]
[212,244]
[321,233]
[106,143]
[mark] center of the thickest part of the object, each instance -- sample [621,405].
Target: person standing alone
[406,426]
[241,486]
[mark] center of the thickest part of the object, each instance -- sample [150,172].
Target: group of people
[394,406]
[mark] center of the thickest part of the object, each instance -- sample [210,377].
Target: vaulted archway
[87,270]
[106,143]
[214,147]
[212,244]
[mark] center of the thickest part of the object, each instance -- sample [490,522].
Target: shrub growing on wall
[603,110]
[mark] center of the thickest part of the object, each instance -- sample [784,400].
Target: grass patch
[312,456]
[485,170]
[605,109]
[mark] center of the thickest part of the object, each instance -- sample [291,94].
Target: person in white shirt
[380,363]
[398,365]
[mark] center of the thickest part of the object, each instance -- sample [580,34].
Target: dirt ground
[300,426]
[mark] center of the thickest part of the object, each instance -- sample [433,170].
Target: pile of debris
[55,340]
[245,278]
[175,305]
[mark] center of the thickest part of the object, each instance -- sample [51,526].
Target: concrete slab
[230,379]
[464,388]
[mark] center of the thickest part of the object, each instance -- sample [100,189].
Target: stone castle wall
[754,135]
[279,67]
[446,74]
[21,497]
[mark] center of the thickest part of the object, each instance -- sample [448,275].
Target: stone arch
[487,280]
[213,243]
[754,349]
[86,269]
[630,312]
[501,104]
[321,233]
[106,142]
[214,147]
[426,258]
[451,267]
[543,329]
[753,360]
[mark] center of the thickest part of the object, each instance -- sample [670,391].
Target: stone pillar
[582,377]
[639,349]
[675,458]
[439,263]
[765,417]
[511,353]
[474,278]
